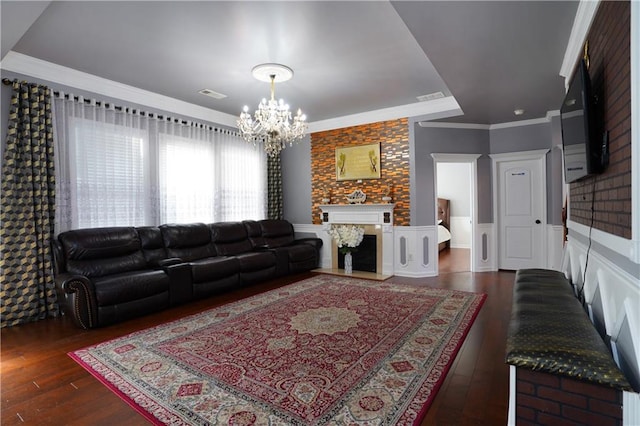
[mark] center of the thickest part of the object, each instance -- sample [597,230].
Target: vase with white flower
[347,238]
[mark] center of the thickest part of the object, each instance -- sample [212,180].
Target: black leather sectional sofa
[107,275]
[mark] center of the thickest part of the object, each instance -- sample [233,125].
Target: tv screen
[580,149]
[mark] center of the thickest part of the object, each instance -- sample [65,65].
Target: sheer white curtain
[209,175]
[116,167]
[102,166]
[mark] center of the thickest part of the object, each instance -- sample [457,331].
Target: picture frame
[358,162]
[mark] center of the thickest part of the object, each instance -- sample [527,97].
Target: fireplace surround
[377,220]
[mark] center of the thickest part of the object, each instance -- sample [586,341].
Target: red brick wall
[609,54]
[546,399]
[393,137]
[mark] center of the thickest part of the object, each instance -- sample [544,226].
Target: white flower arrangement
[347,237]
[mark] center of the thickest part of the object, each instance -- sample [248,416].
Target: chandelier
[271,124]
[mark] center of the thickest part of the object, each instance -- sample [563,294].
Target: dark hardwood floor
[454,260]
[42,385]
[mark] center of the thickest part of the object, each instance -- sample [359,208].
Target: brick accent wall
[546,399]
[393,137]
[610,72]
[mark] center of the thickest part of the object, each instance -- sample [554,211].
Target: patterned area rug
[326,350]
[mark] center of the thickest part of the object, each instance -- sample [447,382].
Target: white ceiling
[349,57]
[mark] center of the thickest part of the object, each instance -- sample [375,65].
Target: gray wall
[296,181]
[523,138]
[428,140]
[533,137]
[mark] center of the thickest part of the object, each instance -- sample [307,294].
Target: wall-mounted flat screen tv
[582,147]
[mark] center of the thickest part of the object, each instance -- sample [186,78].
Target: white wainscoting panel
[555,247]
[415,251]
[485,250]
[612,296]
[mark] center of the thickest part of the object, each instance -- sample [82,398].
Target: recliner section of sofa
[293,255]
[107,275]
[102,276]
[208,272]
[230,239]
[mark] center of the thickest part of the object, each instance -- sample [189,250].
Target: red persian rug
[326,350]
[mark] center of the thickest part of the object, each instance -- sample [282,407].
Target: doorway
[455,182]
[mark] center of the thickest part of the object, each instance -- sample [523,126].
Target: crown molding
[48,71]
[533,121]
[581,23]
[444,125]
[477,126]
[447,104]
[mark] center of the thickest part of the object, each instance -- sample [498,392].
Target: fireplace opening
[365,257]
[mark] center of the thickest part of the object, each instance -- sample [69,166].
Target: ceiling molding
[437,106]
[533,121]
[581,24]
[521,123]
[48,71]
[442,125]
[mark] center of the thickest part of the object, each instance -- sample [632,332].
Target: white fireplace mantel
[364,214]
[379,216]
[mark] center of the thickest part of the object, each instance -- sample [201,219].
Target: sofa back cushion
[102,251]
[254,232]
[277,232]
[230,238]
[152,244]
[188,241]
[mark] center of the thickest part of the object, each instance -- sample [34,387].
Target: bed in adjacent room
[444,234]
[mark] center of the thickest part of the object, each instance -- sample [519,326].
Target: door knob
[538,221]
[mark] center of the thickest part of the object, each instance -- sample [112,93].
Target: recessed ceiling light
[212,93]
[518,111]
[430,96]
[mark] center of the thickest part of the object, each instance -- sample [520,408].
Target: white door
[522,213]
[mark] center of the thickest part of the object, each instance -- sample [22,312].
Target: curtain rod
[8,82]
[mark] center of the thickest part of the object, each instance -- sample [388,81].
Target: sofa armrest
[315,242]
[180,281]
[163,263]
[77,297]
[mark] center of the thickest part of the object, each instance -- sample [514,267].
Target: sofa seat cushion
[128,286]
[256,261]
[213,268]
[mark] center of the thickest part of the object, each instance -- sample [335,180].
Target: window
[119,168]
[109,177]
[187,180]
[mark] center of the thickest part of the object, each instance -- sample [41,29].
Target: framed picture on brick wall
[358,162]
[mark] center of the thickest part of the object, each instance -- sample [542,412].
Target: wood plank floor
[454,260]
[41,385]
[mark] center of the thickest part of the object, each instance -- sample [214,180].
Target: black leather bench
[551,332]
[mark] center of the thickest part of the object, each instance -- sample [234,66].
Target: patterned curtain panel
[274,187]
[28,208]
